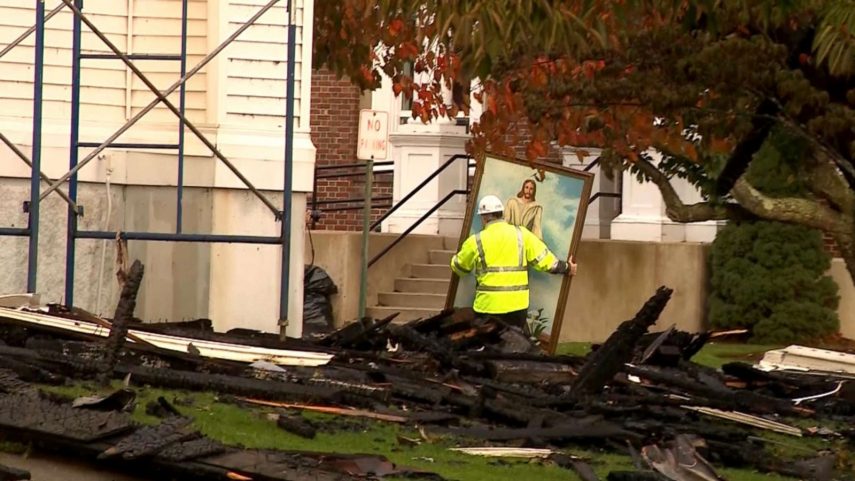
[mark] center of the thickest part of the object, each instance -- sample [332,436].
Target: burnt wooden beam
[241,386]
[635,476]
[719,396]
[151,439]
[296,425]
[30,372]
[605,362]
[10,382]
[529,372]
[192,380]
[580,429]
[123,315]
[8,473]
[191,449]
[61,420]
[433,323]
[358,332]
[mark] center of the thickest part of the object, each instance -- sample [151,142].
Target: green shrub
[770,277]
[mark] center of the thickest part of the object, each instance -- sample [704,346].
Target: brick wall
[334,124]
[553,156]
[831,246]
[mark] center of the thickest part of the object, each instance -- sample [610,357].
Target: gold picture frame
[558,219]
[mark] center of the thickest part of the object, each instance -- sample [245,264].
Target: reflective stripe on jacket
[500,256]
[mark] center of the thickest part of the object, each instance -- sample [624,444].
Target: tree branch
[827,181]
[744,152]
[846,166]
[793,210]
[678,211]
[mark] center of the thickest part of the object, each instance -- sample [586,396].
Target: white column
[245,278]
[643,216]
[418,150]
[416,157]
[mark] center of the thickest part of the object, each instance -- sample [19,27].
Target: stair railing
[337,205]
[419,187]
[416,224]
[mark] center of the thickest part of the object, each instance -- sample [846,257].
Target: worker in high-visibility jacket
[500,256]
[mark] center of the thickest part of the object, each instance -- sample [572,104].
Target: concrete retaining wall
[615,278]
[846,309]
[339,253]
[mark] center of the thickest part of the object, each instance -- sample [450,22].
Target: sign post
[372,144]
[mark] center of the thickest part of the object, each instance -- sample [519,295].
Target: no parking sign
[373,138]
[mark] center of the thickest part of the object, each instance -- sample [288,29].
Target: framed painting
[549,200]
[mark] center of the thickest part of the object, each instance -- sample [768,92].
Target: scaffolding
[75,163]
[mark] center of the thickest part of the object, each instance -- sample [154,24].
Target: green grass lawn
[254,428]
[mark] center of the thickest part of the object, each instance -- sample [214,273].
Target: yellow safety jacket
[500,256]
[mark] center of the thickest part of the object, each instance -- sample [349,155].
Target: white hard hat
[490,204]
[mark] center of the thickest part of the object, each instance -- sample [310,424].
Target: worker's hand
[571,266]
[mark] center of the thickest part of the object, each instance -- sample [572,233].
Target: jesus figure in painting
[524,210]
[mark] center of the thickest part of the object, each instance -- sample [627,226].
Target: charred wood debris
[485,383]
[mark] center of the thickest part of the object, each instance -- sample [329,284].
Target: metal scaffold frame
[73,233]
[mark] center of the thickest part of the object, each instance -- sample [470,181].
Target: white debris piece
[801,358]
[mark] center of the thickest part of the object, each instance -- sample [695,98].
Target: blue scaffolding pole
[285,282]
[73,156]
[35,187]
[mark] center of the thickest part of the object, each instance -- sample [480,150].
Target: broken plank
[214,349]
[748,419]
[530,372]
[151,439]
[503,452]
[296,425]
[8,473]
[329,410]
[46,418]
[596,429]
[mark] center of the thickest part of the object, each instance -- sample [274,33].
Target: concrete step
[450,243]
[411,300]
[405,314]
[441,256]
[423,286]
[430,271]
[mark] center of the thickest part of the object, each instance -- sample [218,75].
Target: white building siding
[111,92]
[156,27]
[103,97]
[256,66]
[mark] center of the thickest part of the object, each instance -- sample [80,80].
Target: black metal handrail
[315,214]
[351,174]
[593,164]
[416,224]
[419,187]
[351,166]
[614,195]
[353,207]
[353,199]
